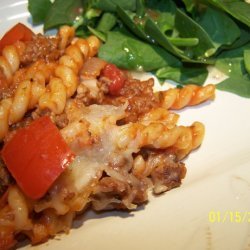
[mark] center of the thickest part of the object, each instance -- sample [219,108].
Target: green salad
[175,40]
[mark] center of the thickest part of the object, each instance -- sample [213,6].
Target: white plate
[217,184]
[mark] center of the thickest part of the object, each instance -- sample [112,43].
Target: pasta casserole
[77,132]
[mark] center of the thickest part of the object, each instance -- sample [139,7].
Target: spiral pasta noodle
[5,107]
[9,61]
[177,98]
[55,96]
[28,91]
[67,73]
[155,135]
[162,115]
[66,34]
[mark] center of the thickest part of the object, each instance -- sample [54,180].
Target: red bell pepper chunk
[116,76]
[19,32]
[36,155]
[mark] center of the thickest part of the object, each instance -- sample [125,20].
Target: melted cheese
[91,161]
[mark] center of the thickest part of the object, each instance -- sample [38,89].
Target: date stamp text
[229,216]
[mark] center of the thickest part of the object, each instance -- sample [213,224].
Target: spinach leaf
[238,9]
[187,27]
[153,31]
[127,52]
[231,62]
[137,29]
[217,24]
[62,12]
[162,12]
[236,84]
[242,40]
[190,4]
[140,8]
[110,5]
[247,60]
[184,75]
[38,10]
[107,22]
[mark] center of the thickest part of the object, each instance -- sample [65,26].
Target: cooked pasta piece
[37,90]
[12,110]
[94,45]
[83,45]
[69,66]
[20,102]
[194,135]
[162,115]
[66,34]
[55,96]
[156,135]
[5,107]
[67,71]
[9,61]
[19,205]
[177,98]
[40,71]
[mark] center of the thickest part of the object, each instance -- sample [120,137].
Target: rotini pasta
[157,135]
[9,61]
[169,119]
[66,34]
[20,102]
[69,67]
[19,206]
[55,96]
[40,72]
[4,116]
[177,98]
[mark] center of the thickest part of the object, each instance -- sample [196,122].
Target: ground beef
[40,47]
[88,96]
[111,193]
[14,127]
[138,94]
[167,171]
[61,120]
